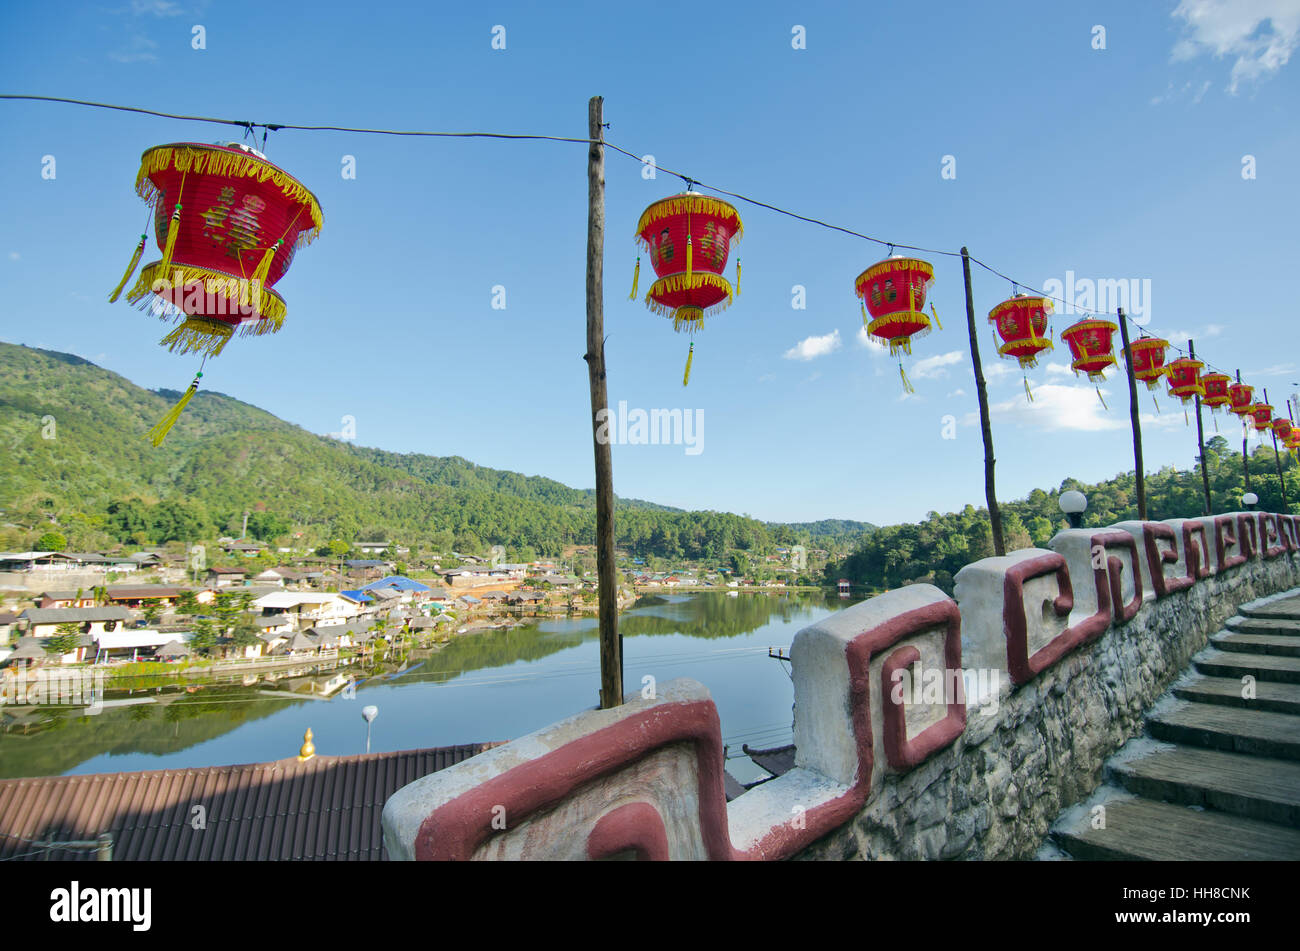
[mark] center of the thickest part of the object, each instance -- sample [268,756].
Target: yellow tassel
[690,355]
[260,274]
[164,425]
[1186,421]
[1157,403]
[935,315]
[173,231]
[690,258]
[907,384]
[197,335]
[737,276]
[1029,394]
[1103,400]
[636,278]
[865,320]
[130,269]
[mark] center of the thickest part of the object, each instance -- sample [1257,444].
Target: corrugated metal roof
[327,808]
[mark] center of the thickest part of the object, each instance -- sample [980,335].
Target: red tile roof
[326,808]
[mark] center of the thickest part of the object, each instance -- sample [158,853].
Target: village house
[44,622]
[367,567]
[372,548]
[137,596]
[83,598]
[246,549]
[306,608]
[129,645]
[37,561]
[225,577]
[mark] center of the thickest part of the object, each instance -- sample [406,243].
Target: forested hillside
[935,549]
[76,453]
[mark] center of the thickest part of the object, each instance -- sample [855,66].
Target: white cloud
[158,8]
[1059,369]
[935,366]
[137,51]
[1213,330]
[1057,407]
[1277,369]
[14,255]
[956,392]
[1259,35]
[874,345]
[810,348]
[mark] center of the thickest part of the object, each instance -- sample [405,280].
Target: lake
[493,685]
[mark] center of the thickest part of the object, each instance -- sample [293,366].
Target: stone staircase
[1217,775]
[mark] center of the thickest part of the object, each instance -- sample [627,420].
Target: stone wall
[925,727]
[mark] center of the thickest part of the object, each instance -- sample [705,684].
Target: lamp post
[1073,503]
[1250,500]
[368,714]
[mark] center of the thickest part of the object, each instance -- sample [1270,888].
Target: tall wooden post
[1277,457]
[986,429]
[1200,440]
[1133,417]
[1245,457]
[611,644]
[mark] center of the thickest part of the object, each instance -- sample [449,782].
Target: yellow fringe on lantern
[206,160]
[883,327]
[690,258]
[160,430]
[689,205]
[892,266]
[199,335]
[173,231]
[130,269]
[737,277]
[223,291]
[636,279]
[688,319]
[690,355]
[865,319]
[935,314]
[907,384]
[676,283]
[258,280]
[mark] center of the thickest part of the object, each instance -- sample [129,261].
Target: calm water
[495,685]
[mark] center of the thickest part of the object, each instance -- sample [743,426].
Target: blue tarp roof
[400,582]
[357,595]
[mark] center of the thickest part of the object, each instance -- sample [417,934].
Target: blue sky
[1117,163]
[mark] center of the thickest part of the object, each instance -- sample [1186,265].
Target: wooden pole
[1133,418]
[986,429]
[1245,458]
[1277,457]
[1200,439]
[611,644]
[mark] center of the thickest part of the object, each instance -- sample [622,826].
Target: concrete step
[1272,697]
[1252,643]
[1286,609]
[1219,663]
[1246,786]
[1138,829]
[1230,729]
[1254,625]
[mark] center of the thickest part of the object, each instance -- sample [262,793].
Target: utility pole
[1200,438]
[1245,458]
[986,429]
[1277,457]
[611,643]
[1133,418]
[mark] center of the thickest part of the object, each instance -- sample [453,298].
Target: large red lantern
[1022,323]
[1184,379]
[1240,399]
[1292,441]
[1216,391]
[894,291]
[1092,347]
[1282,426]
[228,223]
[1148,356]
[688,238]
[1262,416]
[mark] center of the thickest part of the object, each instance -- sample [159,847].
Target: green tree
[65,640]
[51,541]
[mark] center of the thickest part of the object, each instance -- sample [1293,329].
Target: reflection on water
[493,685]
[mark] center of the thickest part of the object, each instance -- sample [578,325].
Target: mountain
[77,461]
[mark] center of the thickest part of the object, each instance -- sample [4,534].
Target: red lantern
[1262,415]
[688,238]
[227,222]
[1148,355]
[1216,391]
[1282,426]
[1292,440]
[1241,398]
[1090,343]
[894,291]
[1021,322]
[1183,377]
